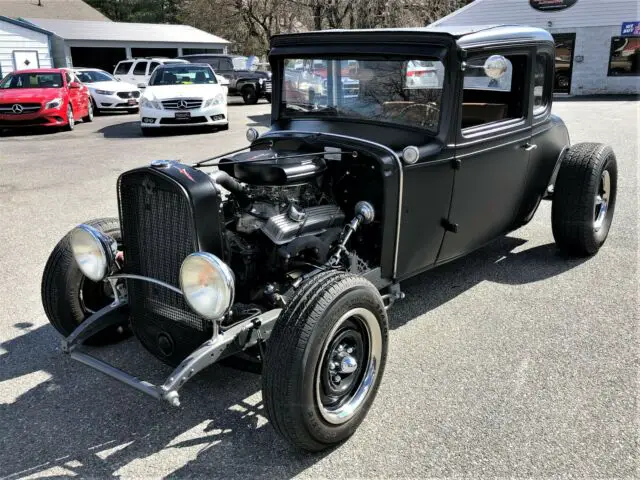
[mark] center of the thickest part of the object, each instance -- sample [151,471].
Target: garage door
[92,57]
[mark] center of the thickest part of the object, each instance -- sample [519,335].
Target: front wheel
[267,97]
[68,297]
[71,123]
[584,198]
[249,95]
[325,359]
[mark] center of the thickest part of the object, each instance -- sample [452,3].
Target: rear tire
[325,360]
[89,117]
[68,297]
[267,97]
[249,95]
[584,199]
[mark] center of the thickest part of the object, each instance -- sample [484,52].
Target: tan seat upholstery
[481,113]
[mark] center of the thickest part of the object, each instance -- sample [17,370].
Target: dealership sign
[546,5]
[630,29]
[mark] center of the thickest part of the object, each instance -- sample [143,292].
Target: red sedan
[50,97]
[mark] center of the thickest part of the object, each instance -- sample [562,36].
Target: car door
[139,73]
[122,70]
[83,95]
[226,70]
[492,152]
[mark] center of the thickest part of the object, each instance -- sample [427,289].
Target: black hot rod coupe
[416,146]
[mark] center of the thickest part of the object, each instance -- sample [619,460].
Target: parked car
[183,95]
[137,71]
[46,97]
[326,215]
[108,93]
[250,85]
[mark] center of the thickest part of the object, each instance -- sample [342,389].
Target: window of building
[487,100]
[541,84]
[140,68]
[624,57]
[123,68]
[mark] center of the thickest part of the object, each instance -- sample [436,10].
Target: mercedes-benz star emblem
[17,108]
[182,104]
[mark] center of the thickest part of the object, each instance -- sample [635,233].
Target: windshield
[186,75]
[403,91]
[32,80]
[91,76]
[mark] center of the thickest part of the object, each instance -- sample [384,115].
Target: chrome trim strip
[384,147]
[145,279]
[464,155]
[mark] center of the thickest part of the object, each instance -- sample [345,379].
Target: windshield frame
[280,110]
[162,68]
[89,71]
[9,76]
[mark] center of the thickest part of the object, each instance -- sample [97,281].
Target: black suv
[250,85]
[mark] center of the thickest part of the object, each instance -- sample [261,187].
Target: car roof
[152,59]
[89,69]
[183,65]
[42,70]
[465,36]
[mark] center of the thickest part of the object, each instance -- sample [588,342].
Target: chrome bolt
[337,379]
[332,366]
[340,347]
[350,350]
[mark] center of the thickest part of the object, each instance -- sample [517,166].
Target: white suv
[137,71]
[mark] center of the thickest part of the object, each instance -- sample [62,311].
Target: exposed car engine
[281,219]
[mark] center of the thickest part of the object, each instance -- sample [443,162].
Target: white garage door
[24,59]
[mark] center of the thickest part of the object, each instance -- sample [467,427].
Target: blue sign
[630,29]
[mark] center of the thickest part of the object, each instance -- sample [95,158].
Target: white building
[597,41]
[23,46]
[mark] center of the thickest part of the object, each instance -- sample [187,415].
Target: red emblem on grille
[186,174]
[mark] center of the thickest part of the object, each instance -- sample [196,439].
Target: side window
[542,85]
[140,68]
[225,64]
[487,100]
[123,68]
[214,62]
[153,66]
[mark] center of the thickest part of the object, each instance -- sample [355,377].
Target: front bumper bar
[232,340]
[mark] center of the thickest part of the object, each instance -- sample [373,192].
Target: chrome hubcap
[602,201]
[349,365]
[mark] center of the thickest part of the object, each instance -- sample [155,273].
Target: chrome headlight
[217,100]
[104,92]
[93,251]
[55,103]
[146,103]
[208,285]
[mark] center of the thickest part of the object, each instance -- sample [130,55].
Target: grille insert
[158,233]
[182,103]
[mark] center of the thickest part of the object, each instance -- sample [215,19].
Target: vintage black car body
[325,215]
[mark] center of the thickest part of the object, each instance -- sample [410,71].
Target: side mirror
[74,85]
[142,85]
[495,66]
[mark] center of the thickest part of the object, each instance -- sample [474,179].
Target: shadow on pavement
[29,131]
[133,130]
[76,421]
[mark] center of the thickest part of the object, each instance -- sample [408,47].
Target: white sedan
[183,95]
[108,93]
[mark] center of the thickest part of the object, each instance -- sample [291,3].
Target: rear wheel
[584,198]
[89,117]
[249,95]
[68,297]
[325,359]
[267,97]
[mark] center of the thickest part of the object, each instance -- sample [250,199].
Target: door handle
[528,147]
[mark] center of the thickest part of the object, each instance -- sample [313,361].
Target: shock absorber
[364,214]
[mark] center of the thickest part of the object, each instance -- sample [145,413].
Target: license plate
[132,101]
[183,115]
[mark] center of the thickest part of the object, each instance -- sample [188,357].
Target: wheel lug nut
[332,366]
[340,348]
[350,350]
[337,379]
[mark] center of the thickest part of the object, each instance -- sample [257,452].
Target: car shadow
[133,130]
[259,120]
[66,419]
[29,132]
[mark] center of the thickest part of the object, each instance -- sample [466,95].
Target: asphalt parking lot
[514,361]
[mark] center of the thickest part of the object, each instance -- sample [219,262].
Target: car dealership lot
[514,361]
